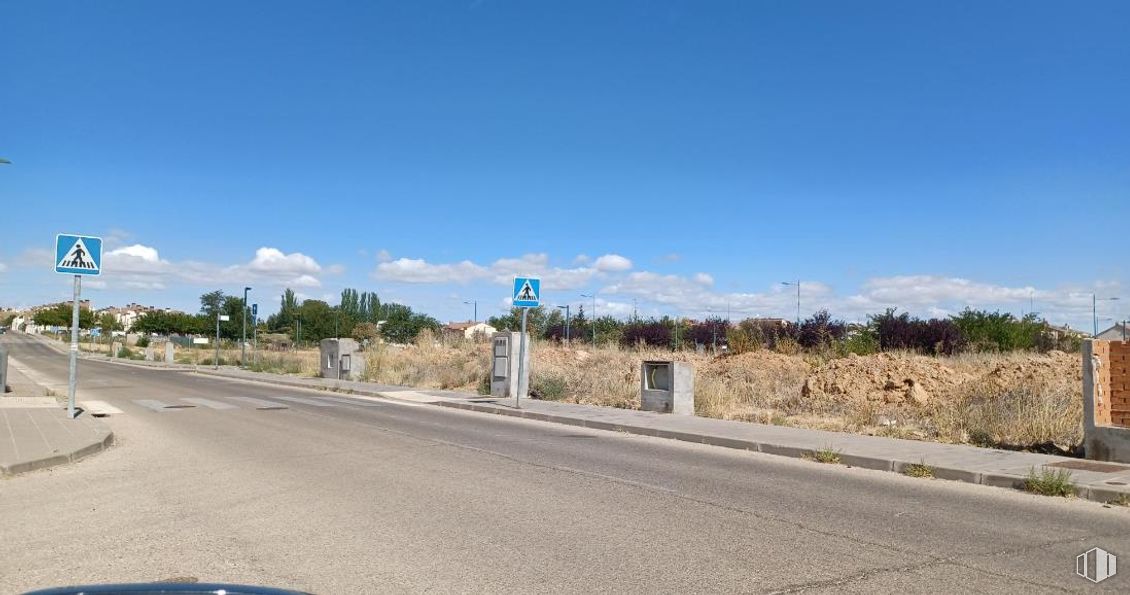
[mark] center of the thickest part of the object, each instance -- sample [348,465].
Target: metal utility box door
[504,364]
[667,387]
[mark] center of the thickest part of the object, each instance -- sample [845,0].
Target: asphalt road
[340,495]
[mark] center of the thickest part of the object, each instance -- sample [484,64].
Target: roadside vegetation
[1050,482]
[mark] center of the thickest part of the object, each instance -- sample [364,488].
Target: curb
[1000,480]
[56,460]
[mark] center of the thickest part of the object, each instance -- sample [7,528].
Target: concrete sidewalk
[36,433]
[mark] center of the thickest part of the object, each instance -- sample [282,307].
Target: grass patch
[918,470]
[548,387]
[1050,482]
[825,455]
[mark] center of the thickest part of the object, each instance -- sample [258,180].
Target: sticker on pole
[78,255]
[527,292]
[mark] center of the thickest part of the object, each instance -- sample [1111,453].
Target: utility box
[504,382]
[667,387]
[341,359]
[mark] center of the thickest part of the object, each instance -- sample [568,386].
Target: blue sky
[926,156]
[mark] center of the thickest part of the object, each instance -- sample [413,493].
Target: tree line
[358,314]
[971,330]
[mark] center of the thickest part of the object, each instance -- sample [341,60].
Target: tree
[366,331]
[535,321]
[109,322]
[60,315]
[211,302]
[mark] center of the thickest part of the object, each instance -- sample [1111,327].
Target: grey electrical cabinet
[667,387]
[341,359]
[504,382]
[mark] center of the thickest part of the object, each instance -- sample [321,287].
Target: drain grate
[1090,466]
[179,406]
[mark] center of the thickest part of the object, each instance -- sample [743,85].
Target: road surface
[286,487]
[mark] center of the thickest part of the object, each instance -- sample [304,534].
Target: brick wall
[1101,351]
[1117,377]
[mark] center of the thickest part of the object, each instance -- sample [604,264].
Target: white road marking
[304,401]
[153,404]
[98,408]
[354,402]
[208,403]
[260,403]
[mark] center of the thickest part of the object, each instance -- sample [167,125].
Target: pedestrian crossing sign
[78,255]
[527,292]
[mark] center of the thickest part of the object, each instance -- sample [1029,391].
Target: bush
[125,353]
[862,341]
[711,331]
[651,333]
[143,341]
[820,331]
[548,387]
[932,336]
[1050,482]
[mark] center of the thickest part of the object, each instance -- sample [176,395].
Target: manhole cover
[1090,466]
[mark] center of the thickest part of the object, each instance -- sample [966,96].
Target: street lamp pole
[243,339]
[566,308]
[1095,313]
[797,299]
[593,296]
[476,304]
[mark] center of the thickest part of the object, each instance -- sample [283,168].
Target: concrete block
[667,387]
[169,351]
[3,370]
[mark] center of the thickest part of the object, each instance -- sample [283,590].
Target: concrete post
[3,370]
[169,352]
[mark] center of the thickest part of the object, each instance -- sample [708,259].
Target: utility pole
[566,308]
[243,339]
[593,296]
[72,384]
[797,299]
[476,304]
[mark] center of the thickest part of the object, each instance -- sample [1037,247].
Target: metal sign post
[76,255]
[527,294]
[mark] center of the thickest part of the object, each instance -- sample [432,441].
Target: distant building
[467,330]
[1118,332]
[128,314]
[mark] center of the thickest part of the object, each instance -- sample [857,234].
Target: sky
[671,157]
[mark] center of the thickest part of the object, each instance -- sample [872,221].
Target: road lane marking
[153,404]
[353,402]
[260,403]
[305,401]
[99,408]
[208,403]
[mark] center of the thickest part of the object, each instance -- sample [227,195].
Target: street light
[593,296]
[243,340]
[1095,312]
[476,303]
[797,299]
[566,308]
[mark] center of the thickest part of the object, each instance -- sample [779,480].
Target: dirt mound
[883,378]
[1051,369]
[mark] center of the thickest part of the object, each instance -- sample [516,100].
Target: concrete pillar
[114,349]
[149,353]
[3,370]
[169,352]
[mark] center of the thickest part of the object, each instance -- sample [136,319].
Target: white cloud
[134,259]
[417,270]
[384,256]
[273,261]
[581,259]
[613,263]
[3,268]
[703,279]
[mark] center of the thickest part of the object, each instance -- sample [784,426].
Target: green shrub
[143,342]
[1050,482]
[825,455]
[548,388]
[918,470]
[125,353]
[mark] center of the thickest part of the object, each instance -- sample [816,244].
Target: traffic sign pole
[72,382]
[522,386]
